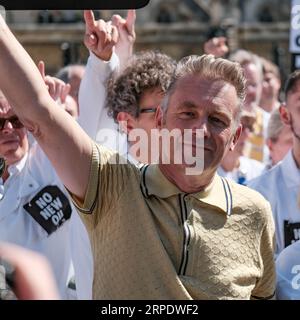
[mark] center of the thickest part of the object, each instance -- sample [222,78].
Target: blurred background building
[177,27]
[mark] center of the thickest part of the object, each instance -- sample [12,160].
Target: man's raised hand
[127,36]
[57,88]
[100,36]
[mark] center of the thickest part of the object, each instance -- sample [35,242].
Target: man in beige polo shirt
[158,232]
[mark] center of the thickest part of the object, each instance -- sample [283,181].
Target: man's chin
[13,156]
[192,169]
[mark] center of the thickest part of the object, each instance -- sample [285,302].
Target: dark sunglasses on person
[14,120]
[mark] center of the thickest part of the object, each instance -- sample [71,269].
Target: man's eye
[217,121]
[187,115]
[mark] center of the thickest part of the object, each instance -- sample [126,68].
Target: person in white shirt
[134,94]
[36,213]
[281,184]
[235,165]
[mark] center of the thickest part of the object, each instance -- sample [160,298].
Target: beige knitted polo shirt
[152,241]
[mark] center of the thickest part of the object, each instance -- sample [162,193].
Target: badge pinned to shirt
[291,232]
[50,208]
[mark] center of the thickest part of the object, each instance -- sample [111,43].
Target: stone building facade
[177,27]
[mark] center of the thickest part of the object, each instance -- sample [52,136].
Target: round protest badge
[2,166]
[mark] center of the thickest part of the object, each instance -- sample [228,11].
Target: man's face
[209,105]
[253,85]
[271,86]
[292,112]
[280,147]
[13,141]
[247,123]
[146,121]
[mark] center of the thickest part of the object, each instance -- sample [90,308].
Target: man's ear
[158,117]
[236,136]
[285,114]
[126,122]
[269,144]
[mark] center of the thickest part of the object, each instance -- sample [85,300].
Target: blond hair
[210,68]
[244,57]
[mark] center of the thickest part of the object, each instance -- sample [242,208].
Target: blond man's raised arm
[65,143]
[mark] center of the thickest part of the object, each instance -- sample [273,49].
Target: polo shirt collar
[290,172]
[217,193]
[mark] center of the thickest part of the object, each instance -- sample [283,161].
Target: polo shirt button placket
[187,199]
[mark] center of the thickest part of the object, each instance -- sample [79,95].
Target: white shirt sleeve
[92,95]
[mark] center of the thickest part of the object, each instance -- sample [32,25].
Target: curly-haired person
[133,97]
[109,99]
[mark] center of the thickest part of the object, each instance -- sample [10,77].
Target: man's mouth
[9,141]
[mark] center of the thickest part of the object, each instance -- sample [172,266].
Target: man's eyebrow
[187,104]
[222,114]
[220,109]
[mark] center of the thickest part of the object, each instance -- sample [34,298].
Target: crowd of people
[87,203]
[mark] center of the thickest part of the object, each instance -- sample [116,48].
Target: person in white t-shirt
[281,184]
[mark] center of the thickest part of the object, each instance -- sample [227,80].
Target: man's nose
[203,125]
[7,126]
